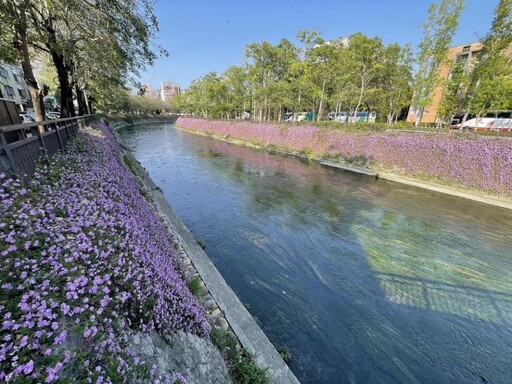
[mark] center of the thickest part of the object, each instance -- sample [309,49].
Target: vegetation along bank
[481,164]
[91,286]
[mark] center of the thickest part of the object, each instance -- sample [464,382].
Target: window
[462,58]
[3,72]
[466,48]
[9,91]
[22,93]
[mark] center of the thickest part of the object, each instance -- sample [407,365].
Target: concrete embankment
[478,169]
[228,312]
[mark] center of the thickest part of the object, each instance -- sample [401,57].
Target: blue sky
[210,35]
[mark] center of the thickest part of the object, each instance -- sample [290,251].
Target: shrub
[241,363]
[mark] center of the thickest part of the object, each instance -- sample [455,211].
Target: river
[362,280]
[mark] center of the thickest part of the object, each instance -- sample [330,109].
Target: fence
[21,145]
[8,112]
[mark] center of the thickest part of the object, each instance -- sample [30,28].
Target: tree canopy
[346,74]
[94,45]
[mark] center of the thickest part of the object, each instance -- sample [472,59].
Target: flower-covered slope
[481,163]
[85,262]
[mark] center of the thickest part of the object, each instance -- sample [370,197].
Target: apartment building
[168,90]
[13,85]
[461,53]
[467,54]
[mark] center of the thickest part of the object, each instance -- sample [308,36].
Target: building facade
[461,53]
[151,92]
[13,86]
[168,90]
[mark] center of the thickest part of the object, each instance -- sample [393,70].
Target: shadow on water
[363,280]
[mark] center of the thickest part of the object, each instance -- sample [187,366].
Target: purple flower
[60,339]
[24,341]
[103,247]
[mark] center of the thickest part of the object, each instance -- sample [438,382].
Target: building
[168,90]
[150,92]
[13,86]
[467,54]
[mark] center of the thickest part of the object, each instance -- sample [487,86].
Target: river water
[362,280]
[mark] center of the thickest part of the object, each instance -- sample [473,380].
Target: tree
[316,76]
[491,79]
[14,24]
[455,95]
[115,35]
[323,64]
[235,79]
[438,31]
[365,60]
[393,89]
[91,43]
[307,38]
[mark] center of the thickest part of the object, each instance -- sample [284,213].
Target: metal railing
[22,145]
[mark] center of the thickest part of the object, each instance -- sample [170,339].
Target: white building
[13,85]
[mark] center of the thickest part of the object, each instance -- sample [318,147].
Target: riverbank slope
[477,168]
[92,289]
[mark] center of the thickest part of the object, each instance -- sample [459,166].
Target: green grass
[201,243]
[285,354]
[194,285]
[241,362]
[129,163]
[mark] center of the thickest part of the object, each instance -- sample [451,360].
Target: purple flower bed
[85,262]
[481,163]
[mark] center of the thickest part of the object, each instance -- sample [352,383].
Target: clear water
[363,280]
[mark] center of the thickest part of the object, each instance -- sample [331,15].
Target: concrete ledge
[351,168]
[240,320]
[491,200]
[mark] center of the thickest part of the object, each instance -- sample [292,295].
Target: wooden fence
[8,113]
[21,145]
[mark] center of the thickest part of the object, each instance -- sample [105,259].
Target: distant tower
[168,90]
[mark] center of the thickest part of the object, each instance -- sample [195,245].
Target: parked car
[25,119]
[53,115]
[295,116]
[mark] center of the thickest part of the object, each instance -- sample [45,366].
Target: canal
[362,280]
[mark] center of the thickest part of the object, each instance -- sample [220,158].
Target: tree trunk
[419,116]
[321,102]
[35,93]
[361,91]
[296,112]
[88,104]
[369,110]
[82,102]
[67,108]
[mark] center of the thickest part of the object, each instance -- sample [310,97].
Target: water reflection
[363,280]
[449,276]
[461,301]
